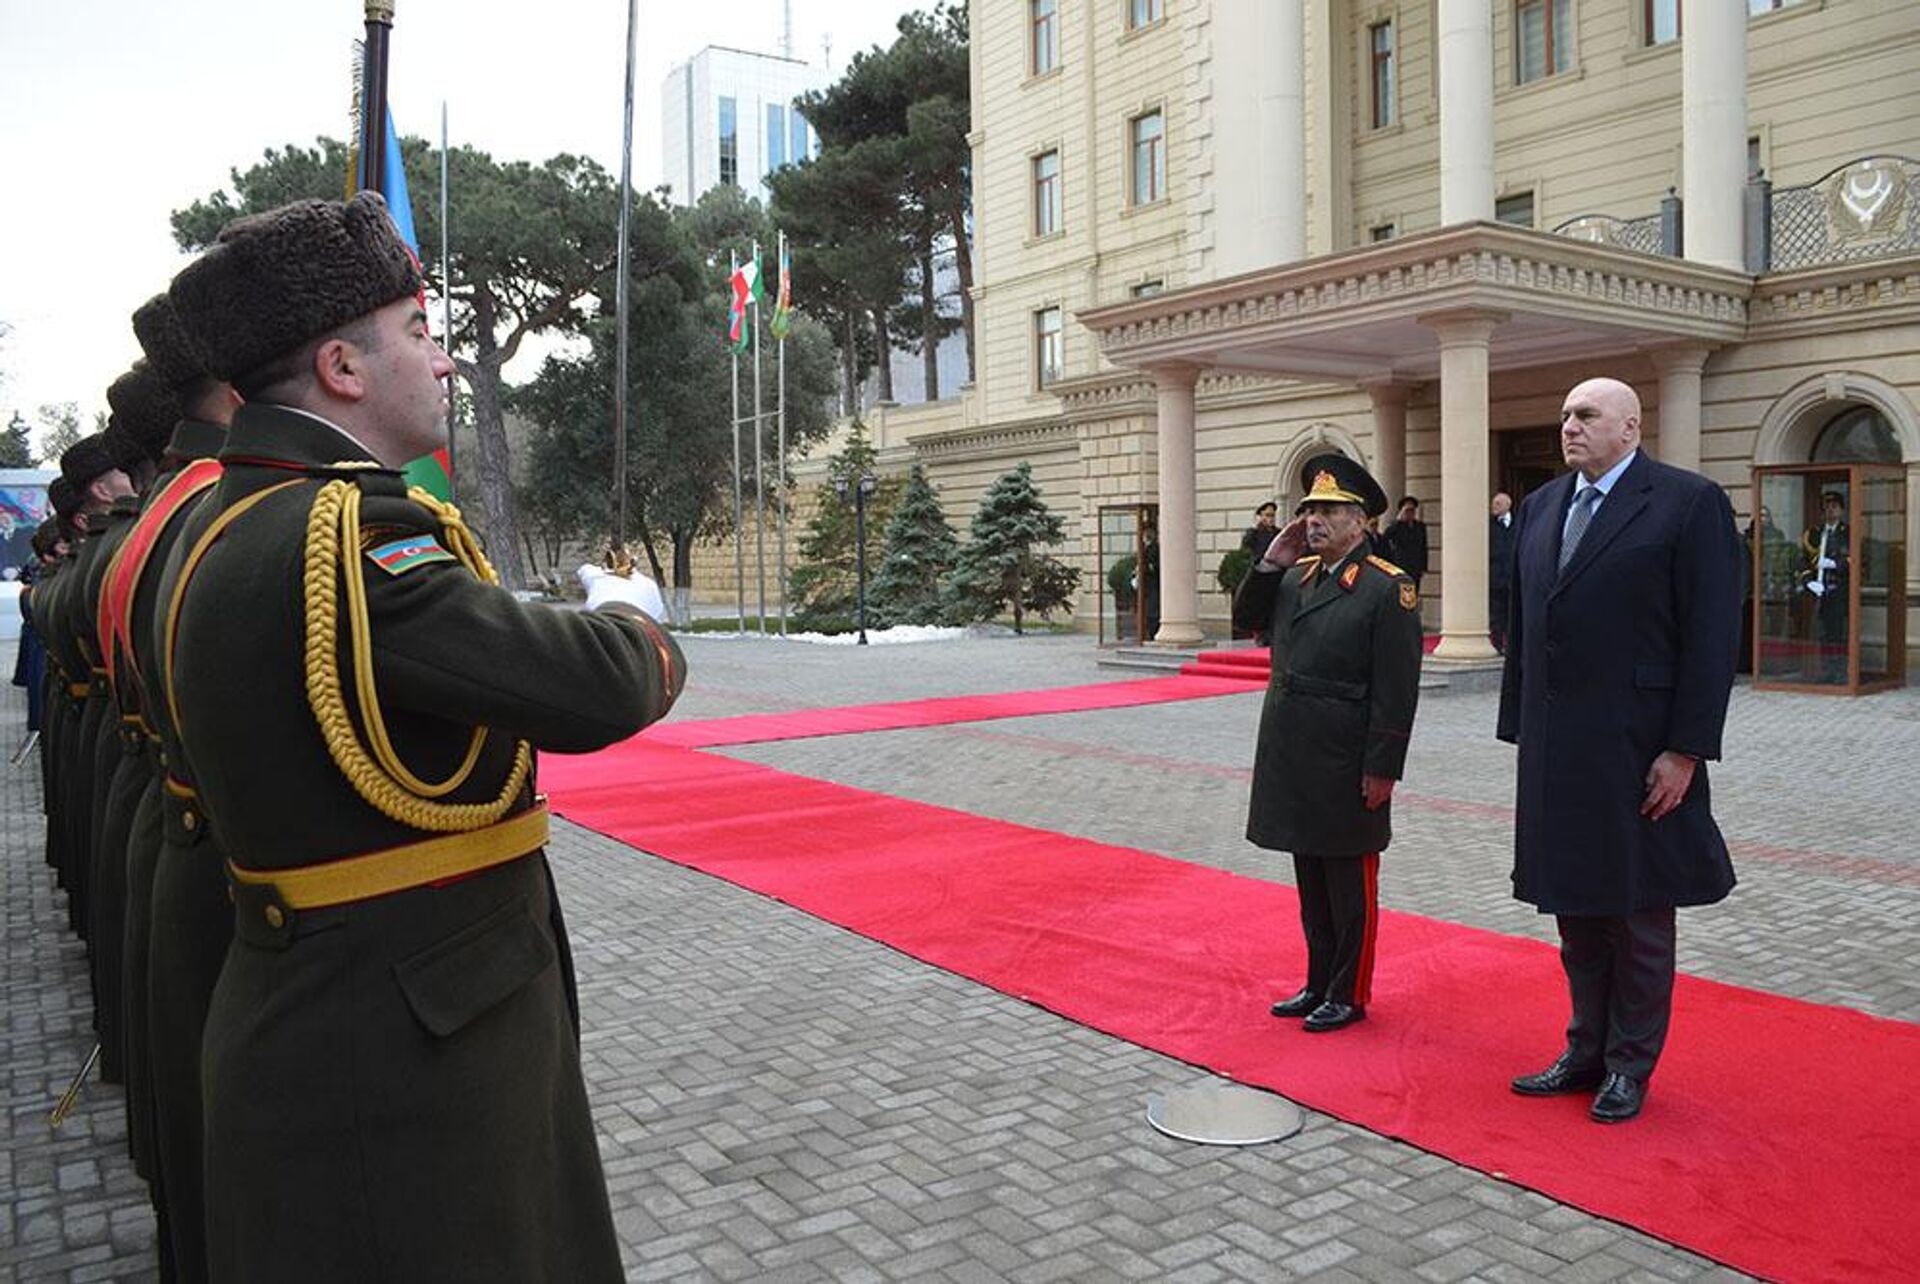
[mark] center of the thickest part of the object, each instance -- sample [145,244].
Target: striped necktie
[1578,519]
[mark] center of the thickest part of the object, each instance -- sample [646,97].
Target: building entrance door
[1528,458]
[1829,566]
[1129,574]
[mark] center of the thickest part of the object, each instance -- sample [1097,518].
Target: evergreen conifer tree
[920,550]
[1003,565]
[823,586]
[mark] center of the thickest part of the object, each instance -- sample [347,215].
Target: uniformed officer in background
[1333,732]
[391,1077]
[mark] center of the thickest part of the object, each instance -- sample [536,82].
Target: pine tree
[824,585]
[16,444]
[1002,565]
[920,550]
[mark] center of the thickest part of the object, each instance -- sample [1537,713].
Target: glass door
[1129,574]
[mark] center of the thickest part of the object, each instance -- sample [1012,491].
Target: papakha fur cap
[145,409]
[169,350]
[63,498]
[85,460]
[274,281]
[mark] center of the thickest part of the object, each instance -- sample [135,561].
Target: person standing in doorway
[1499,568]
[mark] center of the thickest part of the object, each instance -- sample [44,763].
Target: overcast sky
[113,113]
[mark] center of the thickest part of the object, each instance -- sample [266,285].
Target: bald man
[1619,663]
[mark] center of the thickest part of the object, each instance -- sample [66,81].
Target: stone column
[1259,180]
[1390,439]
[1679,366]
[1179,535]
[1466,480]
[1466,110]
[1713,123]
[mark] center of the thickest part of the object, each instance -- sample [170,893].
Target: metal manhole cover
[1220,1114]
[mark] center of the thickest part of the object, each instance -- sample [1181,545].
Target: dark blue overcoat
[1626,654]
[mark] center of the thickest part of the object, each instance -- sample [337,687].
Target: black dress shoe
[1562,1076]
[1297,1006]
[1618,1100]
[1332,1015]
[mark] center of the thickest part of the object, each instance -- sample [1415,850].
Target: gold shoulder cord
[333,544]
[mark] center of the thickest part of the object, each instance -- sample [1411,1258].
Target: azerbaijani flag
[783,300]
[745,282]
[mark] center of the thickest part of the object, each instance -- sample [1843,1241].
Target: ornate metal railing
[1643,234]
[1866,209]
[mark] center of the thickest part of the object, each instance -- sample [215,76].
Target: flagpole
[739,517]
[446,305]
[621,324]
[780,478]
[373,97]
[759,456]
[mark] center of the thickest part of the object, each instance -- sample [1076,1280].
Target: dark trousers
[1339,912]
[1620,977]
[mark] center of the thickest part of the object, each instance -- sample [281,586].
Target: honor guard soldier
[391,1078]
[1333,732]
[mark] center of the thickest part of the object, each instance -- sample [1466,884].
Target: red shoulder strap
[123,575]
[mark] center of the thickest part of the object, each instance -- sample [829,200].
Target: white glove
[635,590]
[1827,563]
[1816,588]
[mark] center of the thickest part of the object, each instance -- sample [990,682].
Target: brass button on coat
[189,821]
[275,919]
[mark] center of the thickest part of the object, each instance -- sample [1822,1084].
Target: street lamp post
[866,485]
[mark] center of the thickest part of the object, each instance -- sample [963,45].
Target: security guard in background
[391,1078]
[1333,732]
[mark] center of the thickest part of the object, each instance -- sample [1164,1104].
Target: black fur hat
[276,280]
[46,535]
[165,341]
[62,498]
[85,460]
[145,409]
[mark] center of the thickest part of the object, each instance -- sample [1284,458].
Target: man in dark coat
[1826,576]
[1499,567]
[392,1080]
[1405,542]
[1257,536]
[1619,667]
[1333,732]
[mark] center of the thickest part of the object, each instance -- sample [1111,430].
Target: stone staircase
[1437,677]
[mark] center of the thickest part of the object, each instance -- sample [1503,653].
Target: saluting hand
[1668,780]
[1375,791]
[1288,546]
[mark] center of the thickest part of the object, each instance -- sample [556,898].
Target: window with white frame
[1660,21]
[1516,209]
[1043,34]
[1047,208]
[1149,135]
[1380,63]
[1048,354]
[1144,13]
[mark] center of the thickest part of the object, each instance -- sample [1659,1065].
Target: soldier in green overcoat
[391,1077]
[1333,733]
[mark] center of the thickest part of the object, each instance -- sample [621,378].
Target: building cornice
[1834,299]
[1017,439]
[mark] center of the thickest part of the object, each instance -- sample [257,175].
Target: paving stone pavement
[780,1099]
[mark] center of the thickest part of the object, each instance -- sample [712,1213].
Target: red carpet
[1253,663]
[802,723]
[1781,1137]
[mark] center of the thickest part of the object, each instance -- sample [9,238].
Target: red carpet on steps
[1780,1137]
[898,715]
[1252,663]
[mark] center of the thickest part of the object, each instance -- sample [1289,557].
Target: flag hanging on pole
[746,292]
[783,300]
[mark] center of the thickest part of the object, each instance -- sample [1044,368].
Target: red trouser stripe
[1369,931]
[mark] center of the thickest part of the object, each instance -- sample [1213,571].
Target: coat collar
[1626,500]
[288,438]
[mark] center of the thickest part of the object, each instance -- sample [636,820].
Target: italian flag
[746,292]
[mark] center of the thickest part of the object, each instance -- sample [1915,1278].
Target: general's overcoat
[392,1085]
[1340,702]
[1627,653]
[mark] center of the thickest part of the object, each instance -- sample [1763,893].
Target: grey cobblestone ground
[779,1099]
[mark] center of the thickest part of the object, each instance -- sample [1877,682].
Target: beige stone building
[1215,236]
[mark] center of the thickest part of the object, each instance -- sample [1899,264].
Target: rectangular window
[1046,347]
[1149,157]
[1044,32]
[1147,289]
[1144,13]
[802,147]
[1754,167]
[1662,21]
[776,136]
[1768,6]
[1381,232]
[729,142]
[1380,43]
[1542,38]
[1046,194]
[1516,209]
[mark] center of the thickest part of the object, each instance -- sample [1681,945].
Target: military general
[1333,733]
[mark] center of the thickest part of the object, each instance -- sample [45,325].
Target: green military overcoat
[1340,703]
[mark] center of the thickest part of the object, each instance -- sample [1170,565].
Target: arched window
[1857,435]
